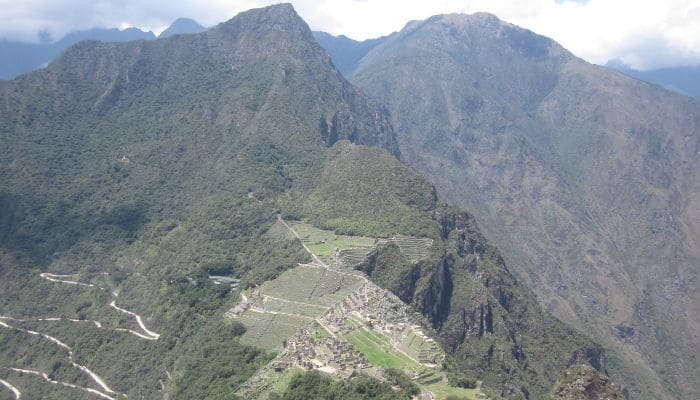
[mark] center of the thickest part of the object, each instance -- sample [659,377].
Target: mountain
[137,178]
[683,80]
[133,170]
[345,52]
[585,179]
[182,26]
[18,58]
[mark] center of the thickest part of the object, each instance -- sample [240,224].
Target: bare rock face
[583,382]
[489,324]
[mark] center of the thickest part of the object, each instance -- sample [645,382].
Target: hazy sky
[642,33]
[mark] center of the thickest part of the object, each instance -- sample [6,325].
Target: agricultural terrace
[327,316]
[327,245]
[280,307]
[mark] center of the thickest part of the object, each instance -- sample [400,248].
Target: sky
[644,34]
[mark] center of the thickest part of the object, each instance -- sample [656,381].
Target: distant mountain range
[345,52]
[684,80]
[17,57]
[182,26]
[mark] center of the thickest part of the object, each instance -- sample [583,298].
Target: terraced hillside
[329,317]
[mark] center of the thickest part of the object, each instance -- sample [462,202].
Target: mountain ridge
[19,57]
[681,79]
[182,26]
[537,143]
[138,170]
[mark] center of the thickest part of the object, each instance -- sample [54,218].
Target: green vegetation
[313,385]
[576,173]
[398,379]
[160,162]
[378,350]
[324,243]
[200,352]
[142,168]
[390,269]
[347,200]
[442,390]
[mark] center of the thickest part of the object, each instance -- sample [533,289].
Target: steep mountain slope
[345,52]
[131,171]
[489,324]
[581,382]
[588,181]
[684,80]
[17,58]
[181,26]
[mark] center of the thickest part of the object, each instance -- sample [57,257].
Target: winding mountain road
[52,319]
[150,335]
[153,335]
[66,384]
[96,378]
[57,278]
[13,389]
[106,390]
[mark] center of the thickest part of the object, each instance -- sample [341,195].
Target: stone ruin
[327,354]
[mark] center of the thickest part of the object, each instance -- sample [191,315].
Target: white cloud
[644,34]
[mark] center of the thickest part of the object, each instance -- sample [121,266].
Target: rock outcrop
[583,382]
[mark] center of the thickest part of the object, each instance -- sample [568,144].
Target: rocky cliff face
[489,323]
[582,382]
[586,180]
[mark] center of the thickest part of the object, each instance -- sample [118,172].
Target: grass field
[441,390]
[323,243]
[378,350]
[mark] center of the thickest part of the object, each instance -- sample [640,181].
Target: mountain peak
[280,15]
[479,18]
[277,25]
[486,32]
[182,26]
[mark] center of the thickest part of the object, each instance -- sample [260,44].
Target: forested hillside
[142,188]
